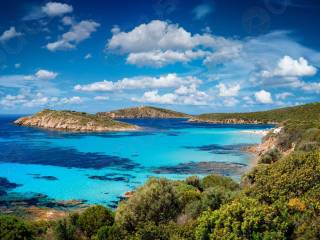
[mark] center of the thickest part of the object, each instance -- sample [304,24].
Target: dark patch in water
[220,149]
[24,200]
[223,168]
[113,177]
[6,185]
[62,157]
[106,178]
[49,178]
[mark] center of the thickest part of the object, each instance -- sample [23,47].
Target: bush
[93,218]
[270,156]
[155,202]
[64,230]
[194,181]
[290,177]
[219,181]
[12,228]
[245,218]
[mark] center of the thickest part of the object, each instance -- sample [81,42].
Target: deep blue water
[100,167]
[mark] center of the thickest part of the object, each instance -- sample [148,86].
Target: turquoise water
[126,160]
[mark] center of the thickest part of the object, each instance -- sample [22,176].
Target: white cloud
[230,102]
[9,34]
[101,98]
[228,90]
[45,74]
[36,100]
[67,20]
[289,67]
[17,65]
[159,43]
[263,97]
[195,98]
[56,9]
[166,81]
[154,97]
[87,56]
[283,96]
[202,11]
[158,58]
[78,33]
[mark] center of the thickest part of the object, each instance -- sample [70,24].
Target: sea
[100,167]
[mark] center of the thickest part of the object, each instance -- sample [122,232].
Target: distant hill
[144,112]
[307,112]
[73,121]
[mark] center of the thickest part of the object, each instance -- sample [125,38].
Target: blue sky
[192,56]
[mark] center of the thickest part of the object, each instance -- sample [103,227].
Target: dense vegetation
[144,112]
[298,113]
[278,199]
[72,121]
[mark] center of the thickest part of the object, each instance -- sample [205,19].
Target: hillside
[73,121]
[277,199]
[144,112]
[297,113]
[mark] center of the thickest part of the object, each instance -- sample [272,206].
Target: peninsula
[73,121]
[144,112]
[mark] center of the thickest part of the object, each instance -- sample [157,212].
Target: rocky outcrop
[228,121]
[144,112]
[73,121]
[270,141]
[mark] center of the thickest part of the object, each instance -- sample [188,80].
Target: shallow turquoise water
[127,159]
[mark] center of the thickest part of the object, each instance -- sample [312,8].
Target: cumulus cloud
[9,34]
[154,97]
[45,74]
[87,56]
[175,98]
[77,33]
[228,90]
[36,100]
[159,43]
[17,65]
[289,67]
[101,98]
[263,97]
[283,95]
[166,81]
[56,9]
[202,11]
[158,58]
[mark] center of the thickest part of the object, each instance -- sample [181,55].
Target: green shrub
[64,230]
[219,181]
[270,156]
[245,218]
[290,177]
[155,202]
[194,181]
[93,218]
[12,228]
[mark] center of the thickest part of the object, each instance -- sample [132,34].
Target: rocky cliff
[144,112]
[228,121]
[73,121]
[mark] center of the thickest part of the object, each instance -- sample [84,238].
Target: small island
[144,112]
[73,121]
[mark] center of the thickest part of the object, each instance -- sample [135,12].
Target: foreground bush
[93,218]
[155,202]
[246,218]
[290,177]
[12,228]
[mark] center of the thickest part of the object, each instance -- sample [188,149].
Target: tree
[156,202]
[12,228]
[93,218]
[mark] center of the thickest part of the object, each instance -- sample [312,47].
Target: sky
[190,56]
